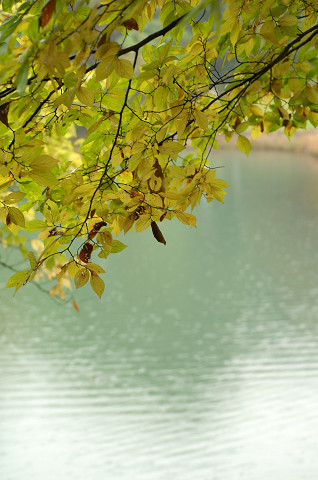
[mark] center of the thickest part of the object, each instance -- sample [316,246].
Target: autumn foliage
[110,112]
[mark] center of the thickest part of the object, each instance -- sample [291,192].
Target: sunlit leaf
[97,284]
[117,246]
[93,267]
[14,197]
[17,216]
[81,277]
[17,278]
[35,225]
[243,144]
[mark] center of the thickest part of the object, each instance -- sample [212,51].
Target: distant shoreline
[302,141]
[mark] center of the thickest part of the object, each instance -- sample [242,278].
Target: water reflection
[200,362]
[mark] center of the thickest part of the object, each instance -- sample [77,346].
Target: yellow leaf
[85,96]
[106,240]
[268,32]
[62,272]
[311,94]
[97,284]
[93,267]
[105,68]
[5,182]
[44,163]
[81,277]
[72,269]
[243,144]
[51,248]
[236,29]
[257,111]
[108,49]
[124,69]
[201,119]
[160,97]
[256,131]
[186,218]
[46,179]
[181,123]
[171,148]
[125,177]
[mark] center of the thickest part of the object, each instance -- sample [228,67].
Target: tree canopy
[110,111]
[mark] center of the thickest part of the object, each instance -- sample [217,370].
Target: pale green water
[200,362]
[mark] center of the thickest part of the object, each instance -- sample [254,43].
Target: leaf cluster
[105,127]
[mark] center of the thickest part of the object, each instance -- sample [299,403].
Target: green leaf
[17,216]
[9,27]
[7,5]
[243,144]
[21,79]
[32,260]
[14,197]
[288,20]
[46,179]
[17,278]
[117,246]
[35,226]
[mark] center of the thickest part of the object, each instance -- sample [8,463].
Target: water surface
[199,363]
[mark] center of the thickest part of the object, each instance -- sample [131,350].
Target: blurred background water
[199,363]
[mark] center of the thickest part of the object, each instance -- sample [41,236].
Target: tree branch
[123,51]
[290,48]
[162,32]
[137,46]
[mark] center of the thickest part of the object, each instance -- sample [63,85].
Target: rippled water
[200,362]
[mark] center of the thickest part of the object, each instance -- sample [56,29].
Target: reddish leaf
[99,225]
[157,233]
[131,24]
[75,306]
[86,252]
[93,213]
[102,40]
[134,193]
[4,110]
[46,13]
[96,229]
[237,122]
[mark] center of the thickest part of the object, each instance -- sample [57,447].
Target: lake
[199,363]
